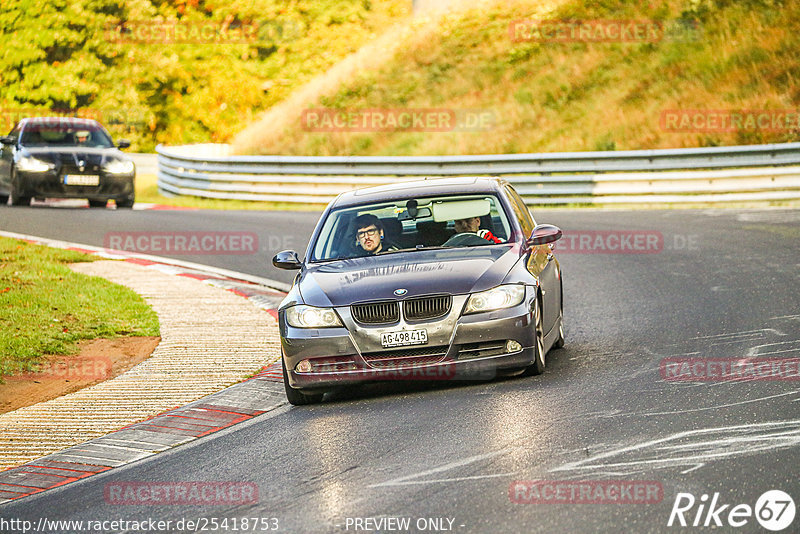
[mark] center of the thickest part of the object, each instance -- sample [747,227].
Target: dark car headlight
[497,298]
[31,164]
[303,316]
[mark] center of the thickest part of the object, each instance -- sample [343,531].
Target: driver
[370,236]
[82,137]
[472,225]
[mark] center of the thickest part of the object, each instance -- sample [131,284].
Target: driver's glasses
[372,232]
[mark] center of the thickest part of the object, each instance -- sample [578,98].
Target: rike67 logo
[774,510]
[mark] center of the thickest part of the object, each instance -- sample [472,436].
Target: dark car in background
[58,157]
[435,302]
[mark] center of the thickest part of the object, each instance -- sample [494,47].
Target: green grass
[147,192]
[45,307]
[553,97]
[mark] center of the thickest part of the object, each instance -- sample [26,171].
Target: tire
[559,343]
[3,200]
[16,198]
[537,367]
[560,340]
[127,203]
[297,397]
[98,203]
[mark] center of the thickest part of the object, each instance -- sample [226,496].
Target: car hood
[452,271]
[74,155]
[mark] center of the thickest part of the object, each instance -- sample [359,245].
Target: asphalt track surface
[722,284]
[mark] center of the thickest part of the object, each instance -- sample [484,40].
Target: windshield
[411,224]
[66,135]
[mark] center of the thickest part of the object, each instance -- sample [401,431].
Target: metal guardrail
[739,173]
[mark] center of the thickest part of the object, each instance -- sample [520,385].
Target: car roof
[61,121]
[419,188]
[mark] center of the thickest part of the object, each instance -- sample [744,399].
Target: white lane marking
[759,333]
[729,342]
[441,480]
[766,437]
[708,444]
[715,407]
[754,351]
[695,467]
[442,468]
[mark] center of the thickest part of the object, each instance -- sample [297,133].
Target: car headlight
[496,298]
[31,164]
[118,166]
[303,316]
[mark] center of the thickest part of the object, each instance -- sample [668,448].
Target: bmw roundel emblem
[400,292]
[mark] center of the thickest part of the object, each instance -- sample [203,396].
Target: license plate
[404,337]
[82,179]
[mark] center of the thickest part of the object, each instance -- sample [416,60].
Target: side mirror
[123,143]
[287,260]
[543,234]
[7,140]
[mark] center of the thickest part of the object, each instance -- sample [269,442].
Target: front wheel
[559,343]
[17,199]
[537,367]
[294,395]
[127,203]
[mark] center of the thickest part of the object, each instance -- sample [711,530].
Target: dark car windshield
[65,135]
[411,224]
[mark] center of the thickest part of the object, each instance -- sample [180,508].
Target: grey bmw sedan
[442,279]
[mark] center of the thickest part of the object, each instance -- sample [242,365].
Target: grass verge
[575,95]
[147,192]
[45,307]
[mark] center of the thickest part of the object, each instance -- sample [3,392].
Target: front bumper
[459,348]
[51,184]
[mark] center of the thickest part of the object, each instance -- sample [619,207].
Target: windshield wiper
[418,248]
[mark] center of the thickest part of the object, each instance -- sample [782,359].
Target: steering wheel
[465,239]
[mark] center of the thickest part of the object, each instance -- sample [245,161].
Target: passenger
[472,225]
[370,235]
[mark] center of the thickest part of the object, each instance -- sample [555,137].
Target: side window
[521,211]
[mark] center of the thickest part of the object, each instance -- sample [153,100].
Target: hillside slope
[562,95]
